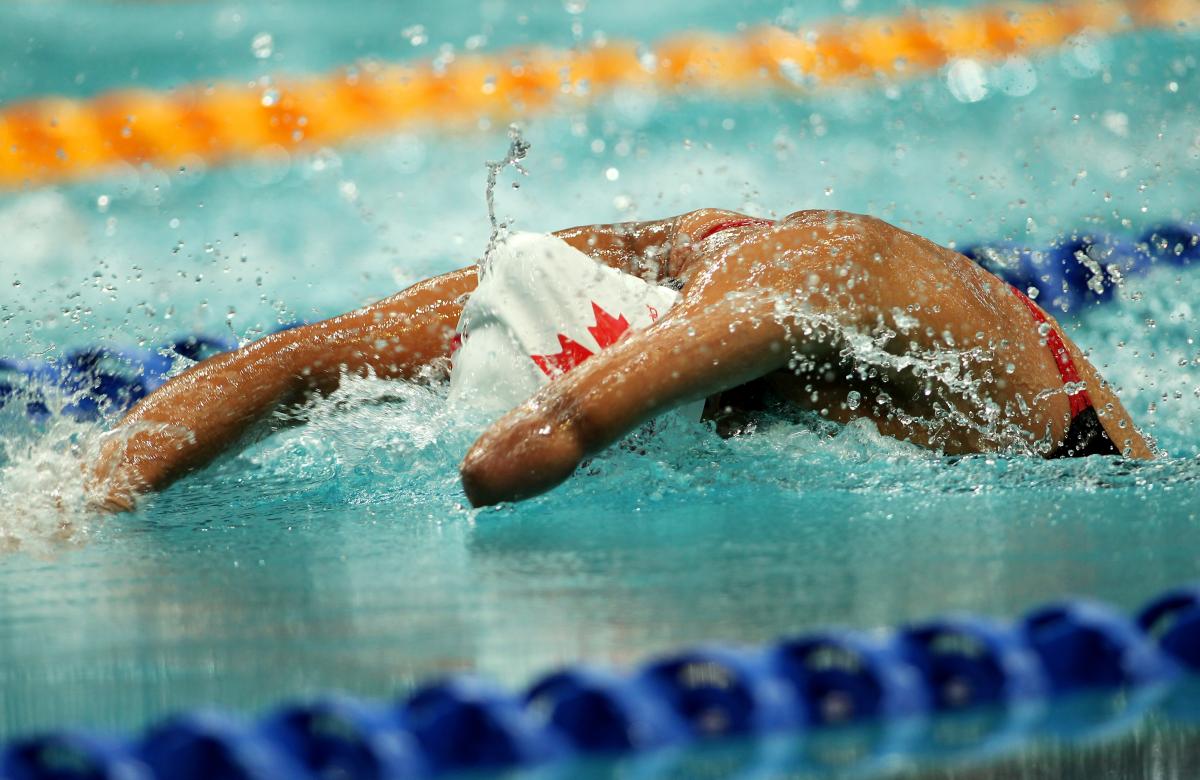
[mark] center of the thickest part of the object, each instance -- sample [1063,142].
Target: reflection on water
[1084,741]
[979,748]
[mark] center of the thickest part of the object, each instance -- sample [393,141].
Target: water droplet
[853,399]
[793,73]
[1116,122]
[416,35]
[262,46]
[612,174]
[102,203]
[968,81]
[270,97]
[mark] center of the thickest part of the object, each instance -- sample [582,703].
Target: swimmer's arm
[200,413]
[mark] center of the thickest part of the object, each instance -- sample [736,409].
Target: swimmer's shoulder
[839,221]
[821,226]
[695,223]
[890,242]
[803,227]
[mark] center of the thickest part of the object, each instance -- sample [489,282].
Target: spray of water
[955,379]
[44,486]
[518,148]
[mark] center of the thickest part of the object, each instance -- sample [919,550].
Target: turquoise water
[340,554]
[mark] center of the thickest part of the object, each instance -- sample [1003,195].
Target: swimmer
[788,309]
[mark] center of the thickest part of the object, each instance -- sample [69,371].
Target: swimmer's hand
[530,453]
[707,343]
[111,482]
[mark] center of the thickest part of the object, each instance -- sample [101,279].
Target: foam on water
[43,488]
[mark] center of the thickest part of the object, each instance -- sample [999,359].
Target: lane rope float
[54,139]
[1076,669]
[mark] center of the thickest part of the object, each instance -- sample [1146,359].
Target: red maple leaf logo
[607,331]
[573,353]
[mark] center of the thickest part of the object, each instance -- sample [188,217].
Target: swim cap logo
[607,331]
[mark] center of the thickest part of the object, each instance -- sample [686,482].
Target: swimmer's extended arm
[200,413]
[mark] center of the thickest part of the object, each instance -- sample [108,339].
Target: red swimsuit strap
[1080,400]
[726,224]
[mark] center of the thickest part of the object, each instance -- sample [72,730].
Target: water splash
[44,486]
[370,442]
[955,379]
[518,148]
[58,475]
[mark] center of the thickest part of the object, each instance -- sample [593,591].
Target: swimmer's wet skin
[815,309]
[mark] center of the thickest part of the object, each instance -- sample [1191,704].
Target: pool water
[340,554]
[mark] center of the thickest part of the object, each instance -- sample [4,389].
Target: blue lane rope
[1040,674]
[1083,269]
[99,381]
[1068,277]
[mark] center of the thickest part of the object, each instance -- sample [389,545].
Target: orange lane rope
[56,139]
